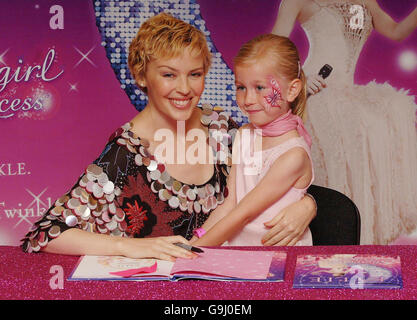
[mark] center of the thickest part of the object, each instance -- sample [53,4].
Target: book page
[99,268]
[239,264]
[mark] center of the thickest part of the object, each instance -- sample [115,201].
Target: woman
[364,138]
[128,192]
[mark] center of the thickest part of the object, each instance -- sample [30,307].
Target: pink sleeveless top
[253,232]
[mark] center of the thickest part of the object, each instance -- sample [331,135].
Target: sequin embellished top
[126,192]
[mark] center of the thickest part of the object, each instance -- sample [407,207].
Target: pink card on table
[240,264]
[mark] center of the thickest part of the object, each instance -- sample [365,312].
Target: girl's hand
[162,248]
[315,84]
[289,225]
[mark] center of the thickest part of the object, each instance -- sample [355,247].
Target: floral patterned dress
[126,192]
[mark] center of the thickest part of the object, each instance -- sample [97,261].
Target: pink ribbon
[283,124]
[131,272]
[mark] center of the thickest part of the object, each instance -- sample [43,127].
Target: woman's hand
[315,84]
[291,222]
[159,247]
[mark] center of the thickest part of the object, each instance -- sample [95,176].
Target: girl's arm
[222,210]
[287,15]
[282,175]
[386,26]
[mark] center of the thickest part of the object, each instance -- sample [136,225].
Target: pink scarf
[283,124]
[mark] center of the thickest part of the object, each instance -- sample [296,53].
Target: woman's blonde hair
[284,54]
[164,36]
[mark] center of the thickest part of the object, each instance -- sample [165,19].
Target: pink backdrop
[44,151]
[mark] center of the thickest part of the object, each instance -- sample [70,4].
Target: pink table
[27,276]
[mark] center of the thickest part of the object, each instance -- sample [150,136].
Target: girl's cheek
[274,96]
[239,101]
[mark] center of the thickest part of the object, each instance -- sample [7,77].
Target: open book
[213,264]
[350,271]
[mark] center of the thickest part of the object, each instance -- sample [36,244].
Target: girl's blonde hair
[164,36]
[284,54]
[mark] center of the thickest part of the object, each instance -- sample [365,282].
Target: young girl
[270,90]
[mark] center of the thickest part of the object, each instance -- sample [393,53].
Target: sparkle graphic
[25,114]
[84,57]
[37,202]
[45,96]
[47,99]
[37,198]
[408,60]
[73,87]
[2,56]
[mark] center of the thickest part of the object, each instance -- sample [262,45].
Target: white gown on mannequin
[364,136]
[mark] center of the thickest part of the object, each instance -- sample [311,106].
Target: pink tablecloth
[27,276]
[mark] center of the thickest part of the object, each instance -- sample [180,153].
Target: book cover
[213,264]
[354,271]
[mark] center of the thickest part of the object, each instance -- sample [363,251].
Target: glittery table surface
[28,276]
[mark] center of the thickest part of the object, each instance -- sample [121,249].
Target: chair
[338,219]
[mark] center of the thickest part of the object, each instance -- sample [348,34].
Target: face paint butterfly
[273,98]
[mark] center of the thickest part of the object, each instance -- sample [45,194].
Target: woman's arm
[55,233]
[386,26]
[79,242]
[282,175]
[290,224]
[287,15]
